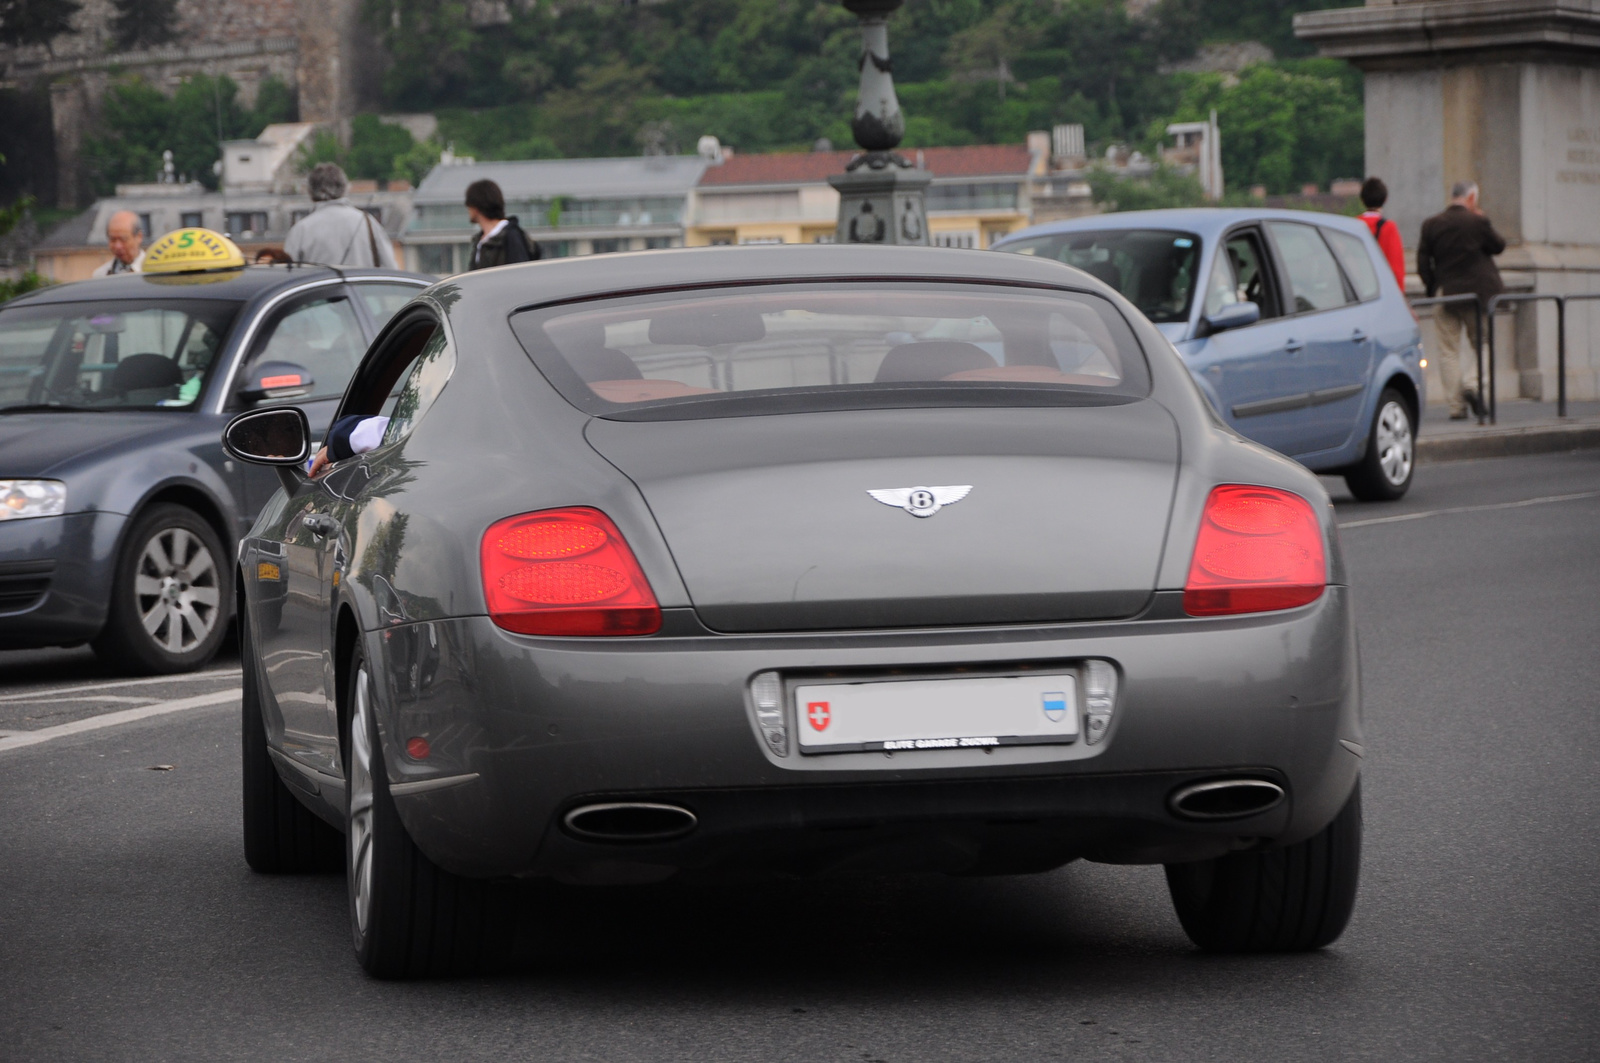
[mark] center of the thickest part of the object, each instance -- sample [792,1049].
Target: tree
[35,21]
[987,49]
[143,23]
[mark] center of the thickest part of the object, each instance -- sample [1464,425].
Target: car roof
[240,285]
[563,279]
[1202,221]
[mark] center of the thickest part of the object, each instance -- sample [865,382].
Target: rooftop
[640,175]
[815,167]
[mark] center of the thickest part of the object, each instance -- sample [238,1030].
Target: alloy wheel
[1395,443]
[360,840]
[176,586]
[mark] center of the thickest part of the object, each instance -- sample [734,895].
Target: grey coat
[338,234]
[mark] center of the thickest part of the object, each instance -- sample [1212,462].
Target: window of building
[607,246]
[437,259]
[972,196]
[190,219]
[761,240]
[658,243]
[145,226]
[247,223]
[963,239]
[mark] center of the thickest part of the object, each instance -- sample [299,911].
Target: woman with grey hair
[336,233]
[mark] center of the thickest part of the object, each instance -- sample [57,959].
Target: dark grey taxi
[118,509]
[793,561]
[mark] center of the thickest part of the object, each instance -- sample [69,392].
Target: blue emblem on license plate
[1055,706]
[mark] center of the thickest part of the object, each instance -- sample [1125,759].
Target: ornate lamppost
[881,195]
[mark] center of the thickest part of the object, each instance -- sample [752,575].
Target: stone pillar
[69,114]
[1505,93]
[882,198]
[339,66]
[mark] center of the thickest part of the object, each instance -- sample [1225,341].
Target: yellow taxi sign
[192,250]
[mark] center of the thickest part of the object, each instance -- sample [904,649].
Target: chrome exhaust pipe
[1225,798]
[629,821]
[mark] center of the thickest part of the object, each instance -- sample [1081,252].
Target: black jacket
[508,245]
[1455,254]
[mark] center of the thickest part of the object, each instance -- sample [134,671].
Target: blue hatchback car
[1290,321]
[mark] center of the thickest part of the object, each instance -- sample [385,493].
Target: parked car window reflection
[1356,262]
[1153,268]
[1313,274]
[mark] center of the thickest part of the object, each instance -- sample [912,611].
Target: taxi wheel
[281,835]
[1292,899]
[408,917]
[169,596]
[1384,473]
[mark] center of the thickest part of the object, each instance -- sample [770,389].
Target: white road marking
[36,695]
[1470,509]
[21,739]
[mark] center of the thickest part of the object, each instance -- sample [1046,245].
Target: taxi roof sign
[192,250]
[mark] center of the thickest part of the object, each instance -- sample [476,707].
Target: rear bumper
[55,578]
[525,730]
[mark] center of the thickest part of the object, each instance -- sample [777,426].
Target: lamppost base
[882,206]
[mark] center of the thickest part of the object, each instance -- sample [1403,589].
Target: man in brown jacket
[1456,257]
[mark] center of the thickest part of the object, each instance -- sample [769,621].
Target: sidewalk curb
[1507,442]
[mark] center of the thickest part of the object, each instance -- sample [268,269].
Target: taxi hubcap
[176,589]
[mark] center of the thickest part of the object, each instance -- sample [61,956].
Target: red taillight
[1258,549]
[565,572]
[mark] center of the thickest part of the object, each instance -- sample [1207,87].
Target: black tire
[172,568]
[416,920]
[1384,473]
[281,835]
[1293,899]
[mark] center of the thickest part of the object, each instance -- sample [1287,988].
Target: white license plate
[895,715]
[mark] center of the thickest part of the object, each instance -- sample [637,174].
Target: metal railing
[1479,314]
[1486,416]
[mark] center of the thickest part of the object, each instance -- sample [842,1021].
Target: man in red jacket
[1374,193]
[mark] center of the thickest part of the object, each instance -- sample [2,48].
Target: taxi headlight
[32,498]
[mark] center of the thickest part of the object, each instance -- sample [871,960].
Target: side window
[1313,275]
[419,387]
[383,301]
[1358,267]
[1238,276]
[323,336]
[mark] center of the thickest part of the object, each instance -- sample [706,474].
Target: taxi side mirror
[279,437]
[276,380]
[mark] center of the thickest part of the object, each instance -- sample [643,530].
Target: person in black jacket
[500,240]
[1456,257]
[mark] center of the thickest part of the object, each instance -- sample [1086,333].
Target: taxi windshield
[1154,269]
[110,354]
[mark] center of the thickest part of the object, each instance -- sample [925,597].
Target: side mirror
[276,380]
[1236,315]
[279,437]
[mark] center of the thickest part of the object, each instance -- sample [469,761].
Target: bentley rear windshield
[814,346]
[110,354]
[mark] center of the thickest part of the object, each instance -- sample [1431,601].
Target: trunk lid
[773,528]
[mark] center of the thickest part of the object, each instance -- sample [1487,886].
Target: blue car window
[1154,269]
[1356,262]
[1313,275]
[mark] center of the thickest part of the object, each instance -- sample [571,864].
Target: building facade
[571,206]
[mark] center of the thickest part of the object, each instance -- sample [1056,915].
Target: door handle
[1359,336]
[320,524]
[1294,346]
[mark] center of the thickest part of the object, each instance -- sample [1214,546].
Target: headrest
[604,363]
[139,371]
[931,360]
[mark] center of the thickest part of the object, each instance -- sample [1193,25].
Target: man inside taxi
[125,237]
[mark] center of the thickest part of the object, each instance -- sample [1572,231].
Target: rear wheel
[280,834]
[409,918]
[1384,474]
[1292,899]
[169,596]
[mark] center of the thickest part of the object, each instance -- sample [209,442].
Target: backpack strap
[372,241]
[1377,230]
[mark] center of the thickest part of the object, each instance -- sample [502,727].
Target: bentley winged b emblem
[921,501]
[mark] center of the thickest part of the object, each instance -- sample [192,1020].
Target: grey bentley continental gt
[796,561]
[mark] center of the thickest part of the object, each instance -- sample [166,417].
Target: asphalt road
[131,929]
